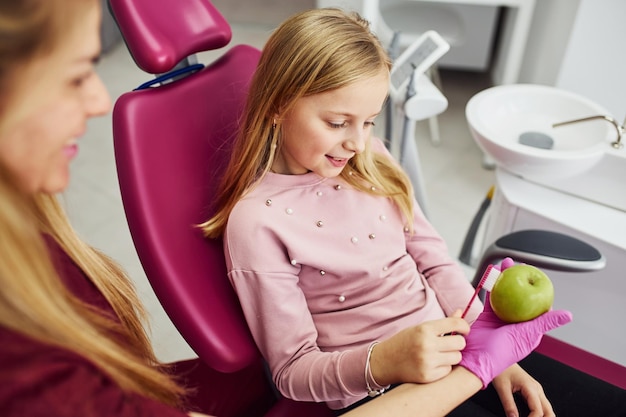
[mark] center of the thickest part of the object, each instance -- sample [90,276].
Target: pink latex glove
[493,345]
[506,263]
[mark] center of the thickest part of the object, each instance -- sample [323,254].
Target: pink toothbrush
[487,281]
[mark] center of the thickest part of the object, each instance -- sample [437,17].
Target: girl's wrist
[374,389]
[472,380]
[377,369]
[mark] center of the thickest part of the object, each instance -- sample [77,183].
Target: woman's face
[50,100]
[323,131]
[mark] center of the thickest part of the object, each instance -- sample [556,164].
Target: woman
[72,340]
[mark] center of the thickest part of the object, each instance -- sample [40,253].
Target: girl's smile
[322,132]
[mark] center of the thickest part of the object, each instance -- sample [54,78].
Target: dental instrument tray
[418,58]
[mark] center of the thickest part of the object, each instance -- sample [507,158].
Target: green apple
[521,293]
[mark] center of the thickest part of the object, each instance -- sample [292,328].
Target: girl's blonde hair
[33,301]
[312,52]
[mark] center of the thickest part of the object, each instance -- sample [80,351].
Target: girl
[346,287]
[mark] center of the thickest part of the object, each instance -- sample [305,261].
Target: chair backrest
[171,143]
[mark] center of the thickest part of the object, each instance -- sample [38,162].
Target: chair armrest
[543,249]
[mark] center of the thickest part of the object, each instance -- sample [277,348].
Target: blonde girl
[346,287]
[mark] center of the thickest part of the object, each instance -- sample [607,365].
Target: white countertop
[604,223]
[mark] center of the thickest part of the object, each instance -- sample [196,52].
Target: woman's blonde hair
[33,301]
[312,52]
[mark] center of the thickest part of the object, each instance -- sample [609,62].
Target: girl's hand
[421,353]
[515,379]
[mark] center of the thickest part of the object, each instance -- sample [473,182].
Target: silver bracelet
[368,375]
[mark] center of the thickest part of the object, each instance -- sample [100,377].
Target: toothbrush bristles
[490,280]
[487,282]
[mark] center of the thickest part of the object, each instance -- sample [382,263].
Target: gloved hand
[493,345]
[506,263]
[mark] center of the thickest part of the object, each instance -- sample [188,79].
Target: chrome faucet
[617,144]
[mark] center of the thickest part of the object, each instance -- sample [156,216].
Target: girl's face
[323,131]
[47,109]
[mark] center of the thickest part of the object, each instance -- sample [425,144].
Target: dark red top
[40,380]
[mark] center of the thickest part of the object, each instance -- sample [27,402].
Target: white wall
[579,46]
[594,64]
[547,40]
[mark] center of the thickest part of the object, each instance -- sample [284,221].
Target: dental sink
[513,124]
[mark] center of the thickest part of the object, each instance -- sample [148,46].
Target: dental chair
[172,138]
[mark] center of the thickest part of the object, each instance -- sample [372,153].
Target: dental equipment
[414,97]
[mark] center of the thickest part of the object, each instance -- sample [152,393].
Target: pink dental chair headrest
[158,41]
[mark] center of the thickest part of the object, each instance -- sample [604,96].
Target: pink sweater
[322,270]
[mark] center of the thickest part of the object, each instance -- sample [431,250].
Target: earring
[274,124]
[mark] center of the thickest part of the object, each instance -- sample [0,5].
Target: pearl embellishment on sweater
[320,224]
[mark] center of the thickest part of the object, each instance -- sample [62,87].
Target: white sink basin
[499,116]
